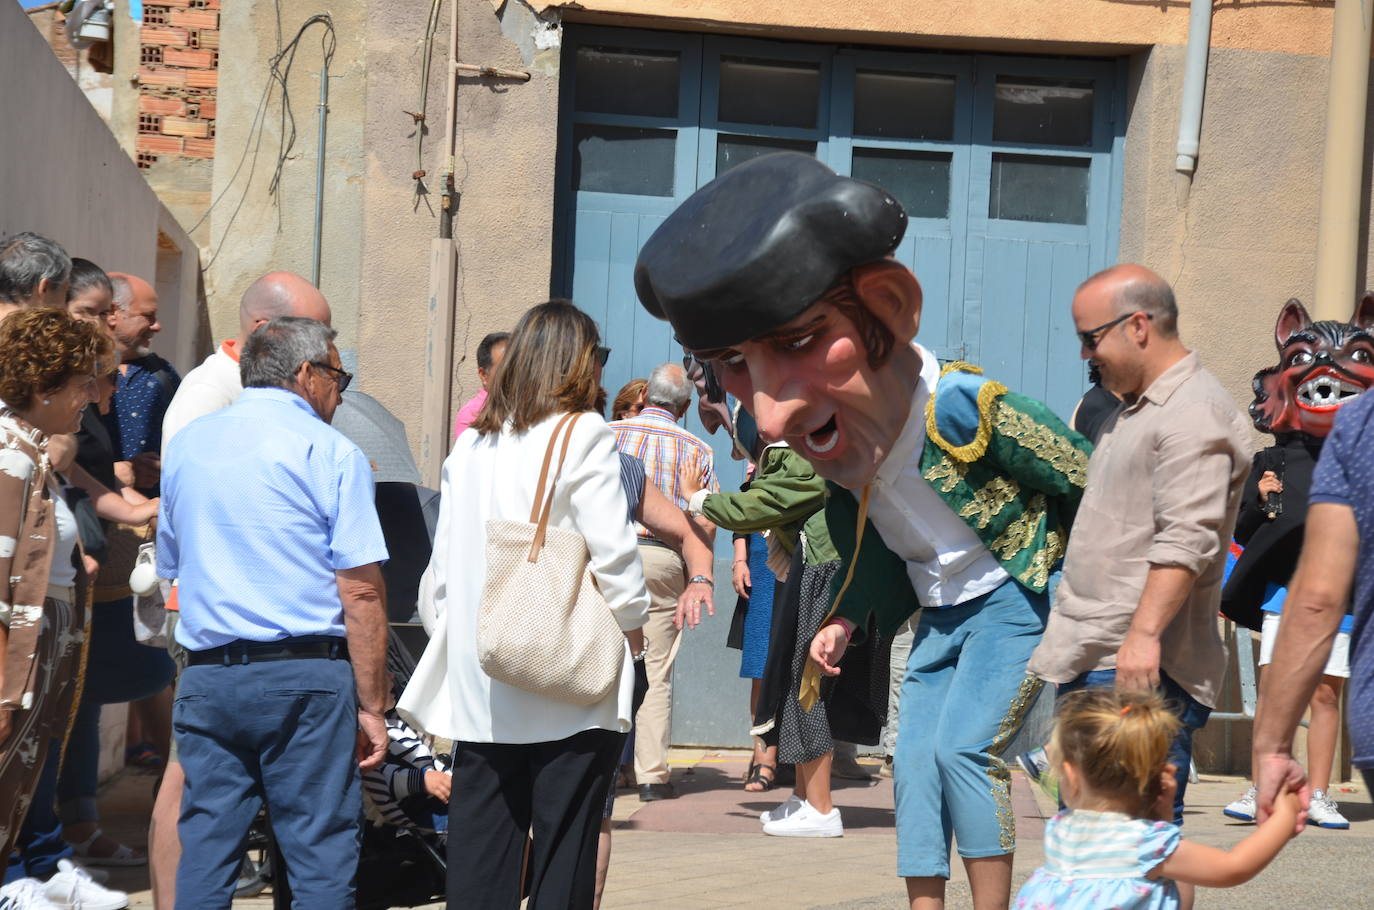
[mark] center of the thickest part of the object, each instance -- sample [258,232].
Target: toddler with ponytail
[1116,845]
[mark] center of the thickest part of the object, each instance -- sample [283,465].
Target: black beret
[755,247]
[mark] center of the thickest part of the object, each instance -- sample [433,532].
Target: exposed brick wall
[178,77]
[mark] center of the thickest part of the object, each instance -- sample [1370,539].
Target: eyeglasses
[603,354]
[1093,337]
[342,377]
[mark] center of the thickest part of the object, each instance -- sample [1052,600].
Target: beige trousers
[665,575]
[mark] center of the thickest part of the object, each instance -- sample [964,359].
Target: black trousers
[503,793]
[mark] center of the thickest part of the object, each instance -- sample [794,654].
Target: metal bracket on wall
[490,72]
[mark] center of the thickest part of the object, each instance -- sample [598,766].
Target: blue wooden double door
[1009,168]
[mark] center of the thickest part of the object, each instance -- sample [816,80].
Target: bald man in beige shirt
[1137,606]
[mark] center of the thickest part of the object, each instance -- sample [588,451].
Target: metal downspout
[1338,219]
[443,292]
[1194,86]
[319,172]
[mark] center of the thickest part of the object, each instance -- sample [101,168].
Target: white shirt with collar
[946,562]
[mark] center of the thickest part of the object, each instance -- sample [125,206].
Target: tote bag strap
[542,518]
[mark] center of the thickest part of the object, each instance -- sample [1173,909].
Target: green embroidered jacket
[1003,462]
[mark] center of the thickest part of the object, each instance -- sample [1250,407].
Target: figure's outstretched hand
[828,647]
[689,476]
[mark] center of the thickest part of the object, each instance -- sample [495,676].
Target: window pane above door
[918,180]
[1035,111]
[617,80]
[632,161]
[769,92]
[1039,188]
[897,105]
[732,151]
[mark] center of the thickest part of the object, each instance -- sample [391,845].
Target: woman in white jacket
[527,763]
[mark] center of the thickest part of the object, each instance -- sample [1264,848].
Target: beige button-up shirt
[1163,487]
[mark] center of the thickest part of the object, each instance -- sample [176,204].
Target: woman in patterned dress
[47,376]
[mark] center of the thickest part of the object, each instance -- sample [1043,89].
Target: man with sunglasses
[1142,577]
[945,490]
[269,525]
[655,437]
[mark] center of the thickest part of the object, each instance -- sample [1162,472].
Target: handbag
[150,598]
[542,624]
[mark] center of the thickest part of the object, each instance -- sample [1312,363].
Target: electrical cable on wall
[279,73]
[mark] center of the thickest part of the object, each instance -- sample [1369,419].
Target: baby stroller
[398,866]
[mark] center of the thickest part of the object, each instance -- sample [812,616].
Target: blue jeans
[118,669]
[40,839]
[1192,713]
[282,732]
[964,696]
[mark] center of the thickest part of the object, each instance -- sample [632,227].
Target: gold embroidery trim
[997,772]
[1037,574]
[1044,443]
[986,503]
[947,473]
[1020,534]
[987,394]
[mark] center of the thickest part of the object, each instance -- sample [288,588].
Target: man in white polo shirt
[213,385]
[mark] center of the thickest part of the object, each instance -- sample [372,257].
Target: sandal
[755,776]
[122,855]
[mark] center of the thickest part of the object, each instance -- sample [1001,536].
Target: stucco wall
[63,175]
[252,231]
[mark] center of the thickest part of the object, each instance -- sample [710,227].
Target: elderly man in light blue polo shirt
[268,521]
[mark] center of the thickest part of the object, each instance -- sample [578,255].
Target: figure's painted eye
[731,359]
[797,344]
[1300,359]
[1362,356]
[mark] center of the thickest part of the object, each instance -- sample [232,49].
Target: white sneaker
[25,894]
[779,812]
[1324,813]
[73,888]
[807,822]
[1244,808]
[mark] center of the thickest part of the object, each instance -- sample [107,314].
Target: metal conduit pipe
[1194,86]
[1338,219]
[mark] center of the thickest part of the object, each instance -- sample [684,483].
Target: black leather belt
[256,652]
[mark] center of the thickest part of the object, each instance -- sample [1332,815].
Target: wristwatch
[701,580]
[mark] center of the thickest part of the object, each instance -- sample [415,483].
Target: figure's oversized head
[777,273]
[1322,365]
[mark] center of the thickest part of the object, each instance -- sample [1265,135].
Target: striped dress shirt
[655,438]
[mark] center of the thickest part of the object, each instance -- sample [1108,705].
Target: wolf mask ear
[1293,318]
[1364,311]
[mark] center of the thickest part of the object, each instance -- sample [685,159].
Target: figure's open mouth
[823,440]
[1324,390]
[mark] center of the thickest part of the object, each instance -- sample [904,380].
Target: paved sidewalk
[705,849]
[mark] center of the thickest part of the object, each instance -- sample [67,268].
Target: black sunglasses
[1093,337]
[342,377]
[603,354]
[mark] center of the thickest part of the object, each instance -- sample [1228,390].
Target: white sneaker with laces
[1324,813]
[1243,808]
[807,822]
[25,894]
[73,888]
[779,812]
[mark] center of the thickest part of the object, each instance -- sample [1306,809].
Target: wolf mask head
[1322,365]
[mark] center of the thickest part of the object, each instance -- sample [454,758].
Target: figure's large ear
[891,293]
[1293,318]
[1364,311]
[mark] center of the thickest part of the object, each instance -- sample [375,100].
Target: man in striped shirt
[655,438]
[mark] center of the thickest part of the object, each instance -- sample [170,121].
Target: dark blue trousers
[40,843]
[283,732]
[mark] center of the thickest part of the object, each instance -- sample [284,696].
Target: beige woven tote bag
[543,626]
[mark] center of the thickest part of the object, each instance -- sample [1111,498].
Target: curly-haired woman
[47,375]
